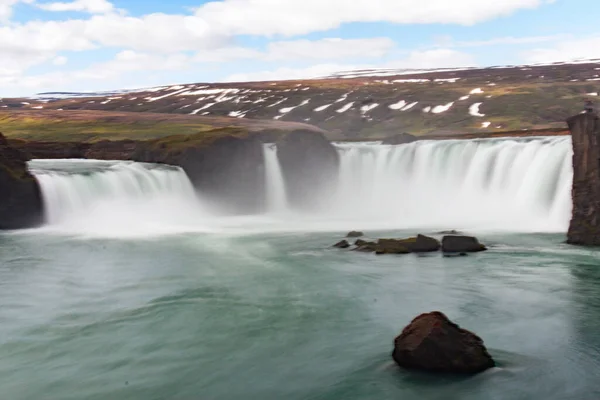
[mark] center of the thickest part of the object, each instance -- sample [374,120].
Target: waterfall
[516,184]
[521,184]
[275,183]
[91,195]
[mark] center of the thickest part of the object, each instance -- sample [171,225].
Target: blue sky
[88,45]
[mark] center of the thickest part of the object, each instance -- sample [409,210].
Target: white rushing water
[493,184]
[116,197]
[276,195]
[508,184]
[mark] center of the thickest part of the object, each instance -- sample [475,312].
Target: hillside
[93,125]
[363,104]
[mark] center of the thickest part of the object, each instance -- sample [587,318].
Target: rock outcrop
[418,244]
[228,169]
[461,244]
[309,163]
[584,228]
[343,244]
[21,203]
[355,234]
[431,342]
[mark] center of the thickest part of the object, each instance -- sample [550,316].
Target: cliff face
[228,170]
[21,203]
[310,166]
[585,223]
[226,166]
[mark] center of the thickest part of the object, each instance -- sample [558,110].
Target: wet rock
[449,255]
[355,234]
[20,195]
[342,244]
[450,232]
[418,244]
[431,342]
[392,246]
[309,164]
[461,244]
[366,247]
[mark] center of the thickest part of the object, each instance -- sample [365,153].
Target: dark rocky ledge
[585,222]
[20,196]
[226,164]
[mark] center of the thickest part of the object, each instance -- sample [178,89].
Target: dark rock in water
[392,246]
[451,232]
[401,138]
[366,247]
[355,234]
[342,245]
[360,242]
[461,244]
[418,244]
[431,342]
[584,228]
[455,255]
[20,195]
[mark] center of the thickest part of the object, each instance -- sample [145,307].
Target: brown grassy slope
[91,125]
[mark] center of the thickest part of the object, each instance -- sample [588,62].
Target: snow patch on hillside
[398,105]
[346,107]
[474,110]
[322,108]
[365,109]
[441,109]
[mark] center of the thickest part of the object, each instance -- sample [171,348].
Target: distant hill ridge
[368,103]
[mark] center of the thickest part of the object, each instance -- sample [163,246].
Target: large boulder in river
[418,244]
[461,244]
[21,203]
[431,342]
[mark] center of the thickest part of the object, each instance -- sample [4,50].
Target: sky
[92,45]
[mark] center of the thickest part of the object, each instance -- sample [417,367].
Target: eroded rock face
[229,170]
[431,342]
[584,228]
[309,163]
[461,244]
[418,244]
[21,203]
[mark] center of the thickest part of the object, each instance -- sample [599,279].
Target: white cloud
[60,60]
[329,48]
[447,41]
[417,59]
[6,8]
[283,73]
[297,17]
[566,50]
[89,6]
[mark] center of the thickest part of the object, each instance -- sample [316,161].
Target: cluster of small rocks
[452,244]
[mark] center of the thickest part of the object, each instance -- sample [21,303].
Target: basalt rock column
[20,196]
[585,222]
